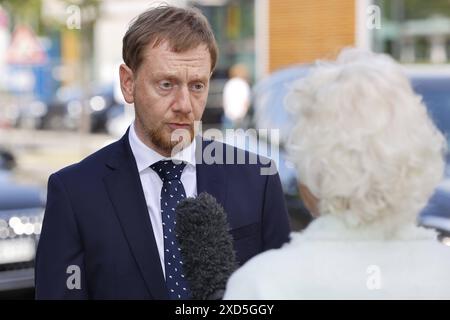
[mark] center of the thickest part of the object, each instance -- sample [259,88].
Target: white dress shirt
[152,183]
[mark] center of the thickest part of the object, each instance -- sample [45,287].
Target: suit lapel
[126,194]
[211,178]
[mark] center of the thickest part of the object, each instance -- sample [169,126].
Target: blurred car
[60,113]
[435,91]
[64,111]
[119,119]
[101,104]
[214,106]
[269,113]
[21,214]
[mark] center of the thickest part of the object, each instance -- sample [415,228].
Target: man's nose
[183,100]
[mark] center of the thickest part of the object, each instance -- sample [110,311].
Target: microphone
[206,246]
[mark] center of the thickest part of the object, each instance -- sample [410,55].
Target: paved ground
[39,153]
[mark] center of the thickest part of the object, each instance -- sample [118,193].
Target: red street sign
[25,48]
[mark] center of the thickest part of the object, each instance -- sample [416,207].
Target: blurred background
[60,98]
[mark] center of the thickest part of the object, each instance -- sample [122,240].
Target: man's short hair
[182,28]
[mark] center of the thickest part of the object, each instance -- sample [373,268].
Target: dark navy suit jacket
[96,219]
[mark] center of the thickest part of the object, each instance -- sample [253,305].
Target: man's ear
[127,83]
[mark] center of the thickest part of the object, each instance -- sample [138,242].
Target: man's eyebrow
[174,76]
[164,74]
[200,78]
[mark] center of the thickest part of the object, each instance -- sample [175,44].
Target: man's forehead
[164,62]
[181,73]
[165,48]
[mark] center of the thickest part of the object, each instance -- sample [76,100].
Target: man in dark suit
[108,225]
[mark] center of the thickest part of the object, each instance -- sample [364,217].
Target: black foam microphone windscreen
[206,246]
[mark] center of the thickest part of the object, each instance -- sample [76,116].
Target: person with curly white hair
[368,158]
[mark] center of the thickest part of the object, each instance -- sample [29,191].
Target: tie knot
[168,170]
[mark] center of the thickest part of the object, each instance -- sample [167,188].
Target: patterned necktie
[172,193]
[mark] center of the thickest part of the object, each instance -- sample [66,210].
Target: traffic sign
[25,48]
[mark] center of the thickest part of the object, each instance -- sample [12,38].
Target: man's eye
[198,87]
[165,85]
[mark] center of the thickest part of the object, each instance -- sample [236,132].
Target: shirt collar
[146,156]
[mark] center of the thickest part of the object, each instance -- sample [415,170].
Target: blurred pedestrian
[236,97]
[109,223]
[368,158]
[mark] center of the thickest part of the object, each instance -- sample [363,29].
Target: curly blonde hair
[363,142]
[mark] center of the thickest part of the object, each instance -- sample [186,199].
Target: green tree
[24,12]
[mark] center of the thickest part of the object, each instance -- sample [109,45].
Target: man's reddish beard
[159,137]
